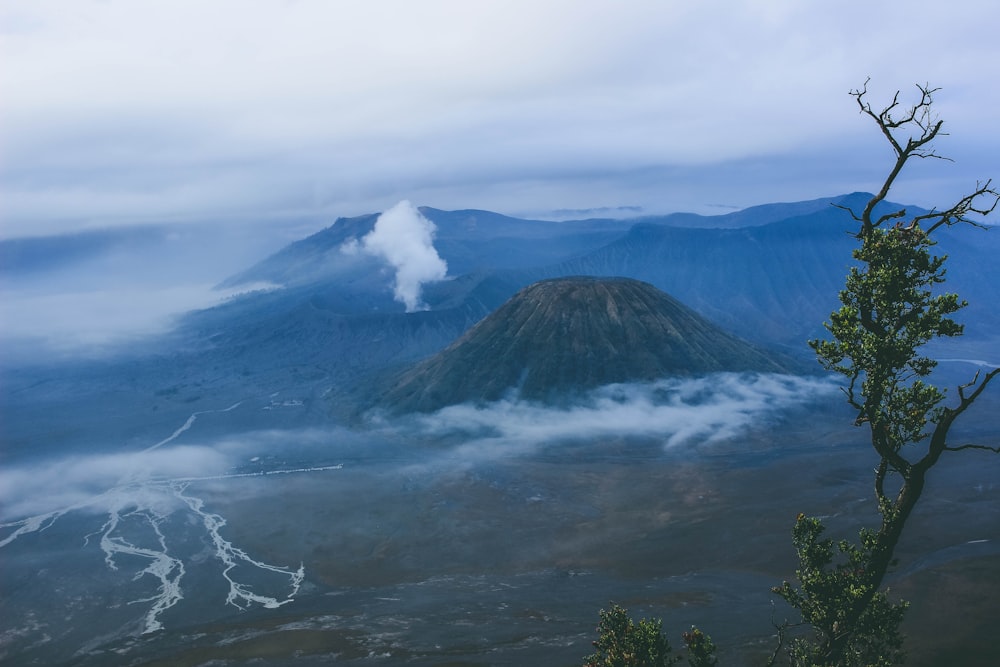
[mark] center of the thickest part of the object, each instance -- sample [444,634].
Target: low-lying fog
[88,293]
[486,535]
[694,412]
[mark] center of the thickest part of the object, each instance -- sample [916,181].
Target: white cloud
[70,319]
[682,412]
[405,239]
[96,321]
[94,482]
[91,292]
[175,107]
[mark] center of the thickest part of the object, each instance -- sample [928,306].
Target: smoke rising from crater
[405,239]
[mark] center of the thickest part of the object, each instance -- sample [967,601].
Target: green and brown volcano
[562,336]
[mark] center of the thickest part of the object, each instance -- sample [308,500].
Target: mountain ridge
[561,336]
[772,284]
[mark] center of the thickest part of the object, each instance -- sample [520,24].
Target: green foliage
[701,650]
[623,643]
[892,306]
[889,311]
[832,587]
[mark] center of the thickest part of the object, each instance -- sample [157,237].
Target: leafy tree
[829,592]
[622,642]
[891,308]
[701,650]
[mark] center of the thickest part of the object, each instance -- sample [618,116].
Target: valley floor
[423,546]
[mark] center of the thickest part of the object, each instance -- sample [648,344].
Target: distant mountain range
[768,274]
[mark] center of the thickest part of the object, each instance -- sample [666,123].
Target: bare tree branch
[890,216]
[781,630]
[958,214]
[920,115]
[966,401]
[849,210]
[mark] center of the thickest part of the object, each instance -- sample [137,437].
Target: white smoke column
[405,239]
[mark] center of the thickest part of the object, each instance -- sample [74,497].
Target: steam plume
[405,239]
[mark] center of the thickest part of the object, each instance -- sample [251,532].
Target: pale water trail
[188,424]
[139,505]
[164,568]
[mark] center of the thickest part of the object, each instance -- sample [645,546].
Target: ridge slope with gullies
[562,336]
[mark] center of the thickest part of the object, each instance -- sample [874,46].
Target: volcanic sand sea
[416,557]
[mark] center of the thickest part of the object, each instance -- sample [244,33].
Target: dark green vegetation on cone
[566,335]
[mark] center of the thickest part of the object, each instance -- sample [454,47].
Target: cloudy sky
[133,111]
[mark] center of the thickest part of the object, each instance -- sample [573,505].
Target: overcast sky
[123,111]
